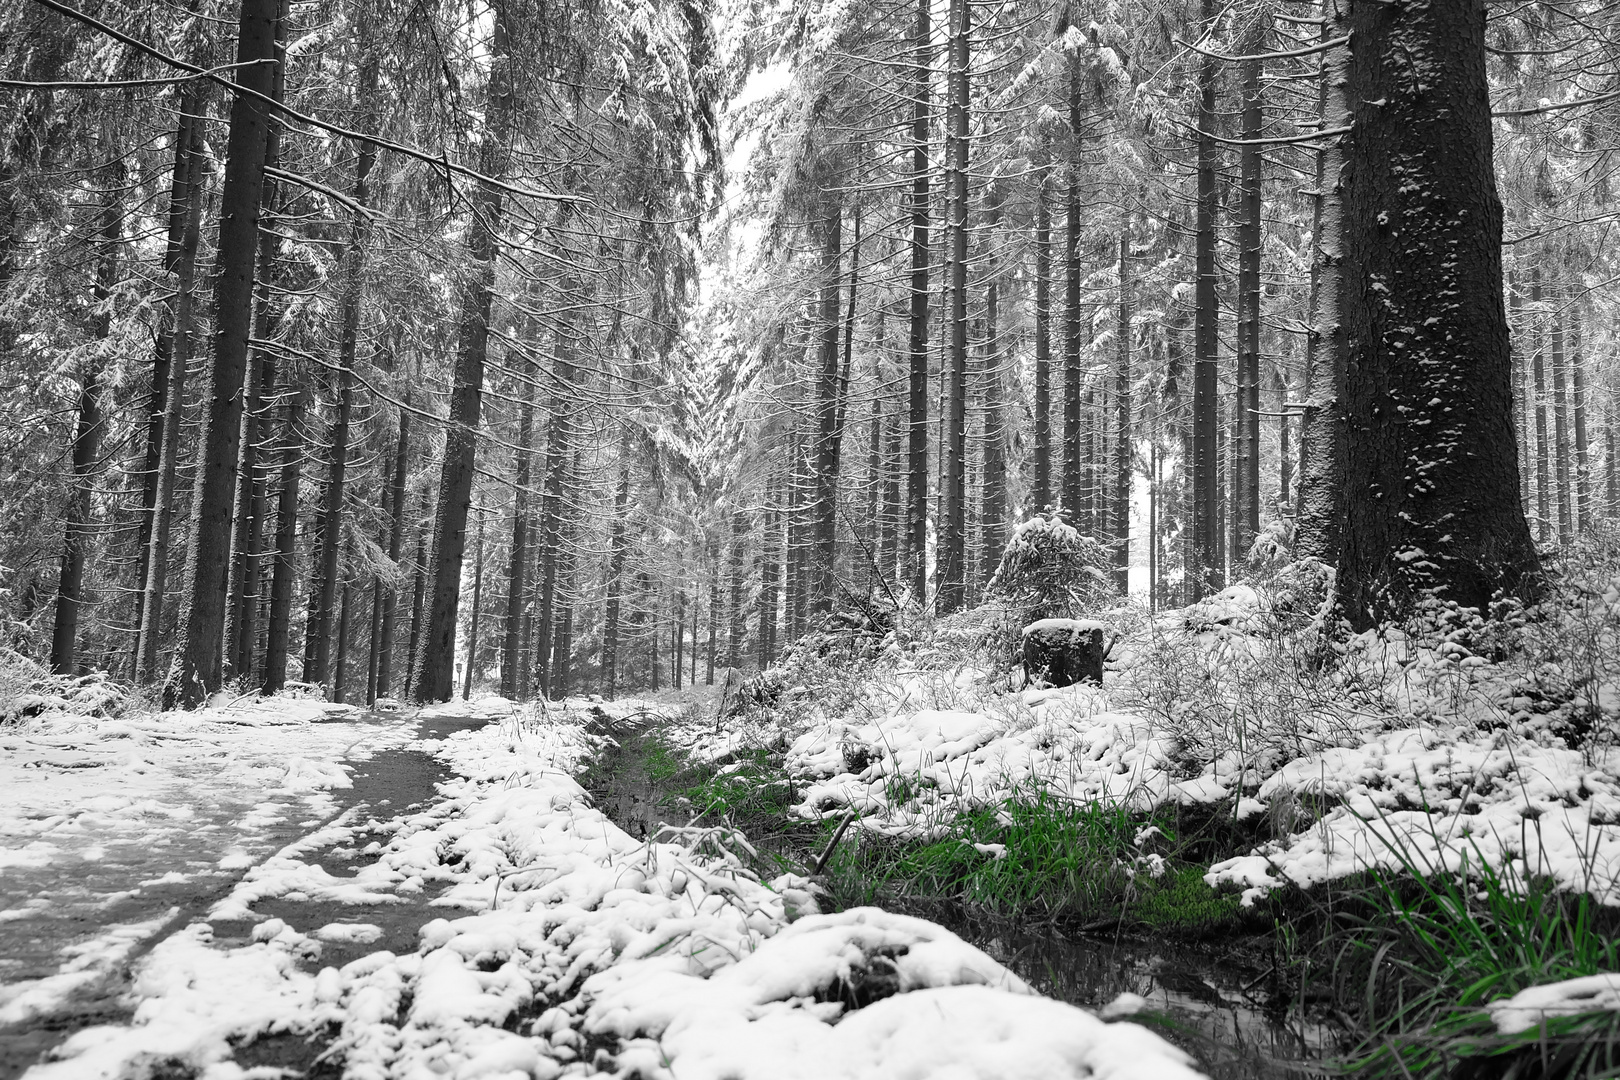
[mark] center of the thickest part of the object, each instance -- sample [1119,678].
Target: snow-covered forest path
[116,835]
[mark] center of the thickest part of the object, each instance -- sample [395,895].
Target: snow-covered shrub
[28,689]
[1049,571]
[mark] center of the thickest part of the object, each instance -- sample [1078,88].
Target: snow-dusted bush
[1049,570]
[28,689]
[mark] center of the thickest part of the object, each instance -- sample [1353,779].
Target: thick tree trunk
[1206,525]
[86,442]
[196,670]
[435,659]
[679,634]
[1431,505]
[916,532]
[283,575]
[340,676]
[247,519]
[1320,531]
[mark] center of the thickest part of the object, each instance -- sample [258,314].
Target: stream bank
[1218,1000]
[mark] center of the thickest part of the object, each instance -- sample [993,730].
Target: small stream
[1219,1003]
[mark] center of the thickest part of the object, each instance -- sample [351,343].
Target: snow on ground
[1400,755]
[566,947]
[104,821]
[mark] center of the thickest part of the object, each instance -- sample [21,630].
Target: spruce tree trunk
[512,644]
[1042,493]
[1320,531]
[247,520]
[418,593]
[1538,374]
[283,575]
[341,668]
[679,634]
[1123,452]
[916,532]
[951,588]
[1577,377]
[86,443]
[770,572]
[1431,505]
[185,212]
[1561,426]
[1073,495]
[739,624]
[1206,524]
[180,260]
[618,554]
[824,507]
[1246,421]
[396,542]
[196,670]
[434,661]
[477,603]
[993,485]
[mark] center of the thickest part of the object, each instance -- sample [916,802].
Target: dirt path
[77,922]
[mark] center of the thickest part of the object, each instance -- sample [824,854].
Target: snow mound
[1526,1010]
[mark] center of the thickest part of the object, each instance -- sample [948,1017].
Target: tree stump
[1062,652]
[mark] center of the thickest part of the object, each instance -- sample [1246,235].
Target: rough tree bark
[1431,505]
[1204,567]
[916,532]
[951,587]
[196,670]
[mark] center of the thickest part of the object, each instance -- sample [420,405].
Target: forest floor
[288,888]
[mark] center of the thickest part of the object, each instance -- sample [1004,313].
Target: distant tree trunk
[86,441]
[770,573]
[562,644]
[1561,426]
[512,686]
[1073,497]
[1246,406]
[951,589]
[1538,374]
[1285,456]
[418,592]
[389,596]
[1042,493]
[435,658]
[1320,532]
[893,509]
[1124,453]
[618,553]
[825,475]
[174,356]
[691,676]
[341,674]
[916,533]
[1583,471]
[738,630]
[247,518]
[993,488]
[1206,525]
[1435,507]
[197,664]
[477,601]
[679,634]
[284,575]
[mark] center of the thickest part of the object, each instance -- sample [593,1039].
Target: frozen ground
[563,946]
